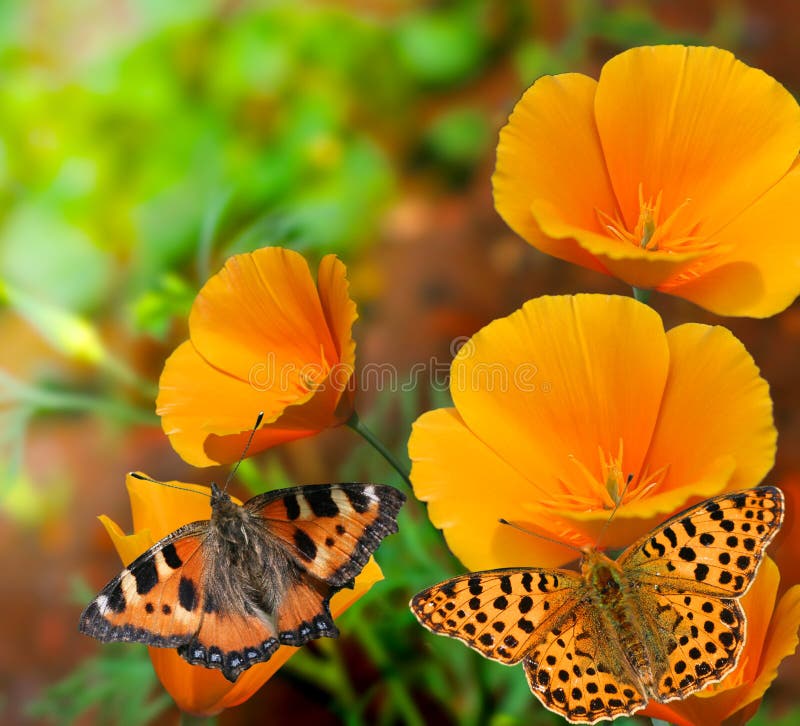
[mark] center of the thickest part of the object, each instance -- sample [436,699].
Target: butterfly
[659,623]
[228,591]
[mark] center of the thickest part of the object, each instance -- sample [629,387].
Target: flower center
[609,485]
[312,375]
[652,231]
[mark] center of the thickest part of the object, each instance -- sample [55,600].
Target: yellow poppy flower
[771,637]
[262,337]
[158,511]
[560,403]
[676,170]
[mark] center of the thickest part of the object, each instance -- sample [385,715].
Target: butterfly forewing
[330,530]
[499,613]
[714,547]
[156,599]
[578,669]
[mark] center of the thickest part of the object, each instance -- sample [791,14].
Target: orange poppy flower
[771,637]
[158,511]
[262,337]
[676,170]
[558,404]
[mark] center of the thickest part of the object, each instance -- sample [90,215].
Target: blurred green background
[141,143]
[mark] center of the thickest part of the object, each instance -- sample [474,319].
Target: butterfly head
[221,503]
[600,569]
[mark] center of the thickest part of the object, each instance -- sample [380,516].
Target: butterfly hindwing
[499,613]
[578,669]
[701,640]
[714,547]
[330,530]
[155,600]
[303,613]
[230,642]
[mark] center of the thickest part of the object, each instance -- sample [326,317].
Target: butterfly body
[228,591]
[659,623]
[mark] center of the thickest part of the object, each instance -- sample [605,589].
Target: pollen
[610,483]
[653,229]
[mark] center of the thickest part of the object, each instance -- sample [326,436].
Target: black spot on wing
[321,503]
[358,499]
[171,556]
[305,544]
[292,507]
[187,595]
[146,575]
[116,598]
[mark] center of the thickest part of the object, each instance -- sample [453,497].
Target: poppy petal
[561,383]
[468,488]
[128,546]
[196,400]
[781,642]
[161,508]
[630,263]
[338,307]
[716,396]
[554,125]
[695,125]
[261,303]
[757,268]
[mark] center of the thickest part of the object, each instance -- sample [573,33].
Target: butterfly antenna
[614,511]
[142,477]
[259,418]
[540,536]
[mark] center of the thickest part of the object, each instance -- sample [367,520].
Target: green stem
[14,391]
[659,722]
[355,423]
[328,673]
[188,719]
[128,377]
[403,701]
[642,295]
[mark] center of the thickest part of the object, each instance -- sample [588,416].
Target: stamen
[650,233]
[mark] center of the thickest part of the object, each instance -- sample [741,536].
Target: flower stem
[400,696]
[355,423]
[642,295]
[188,719]
[659,722]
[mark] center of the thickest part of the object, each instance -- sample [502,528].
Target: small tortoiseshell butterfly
[228,591]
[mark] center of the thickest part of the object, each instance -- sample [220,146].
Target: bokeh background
[141,143]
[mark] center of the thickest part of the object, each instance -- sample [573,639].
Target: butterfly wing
[230,642]
[499,613]
[154,599]
[693,640]
[330,530]
[579,670]
[162,599]
[714,547]
[688,574]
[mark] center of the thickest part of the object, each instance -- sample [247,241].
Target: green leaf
[118,686]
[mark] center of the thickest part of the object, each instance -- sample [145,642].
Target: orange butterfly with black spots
[228,591]
[659,623]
